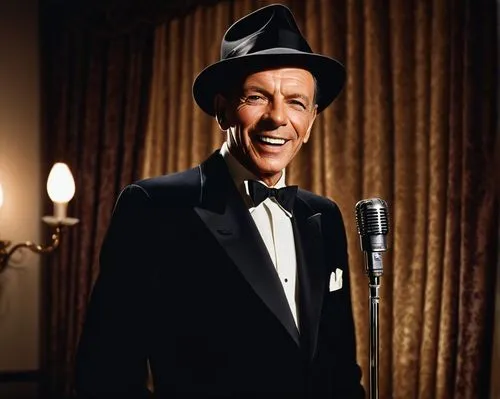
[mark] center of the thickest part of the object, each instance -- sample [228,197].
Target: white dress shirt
[275,226]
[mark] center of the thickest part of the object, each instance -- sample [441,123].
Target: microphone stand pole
[374,269]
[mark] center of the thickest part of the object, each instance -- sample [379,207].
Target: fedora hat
[267,38]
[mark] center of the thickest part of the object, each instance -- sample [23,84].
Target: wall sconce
[61,189]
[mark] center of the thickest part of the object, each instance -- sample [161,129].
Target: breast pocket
[335,283]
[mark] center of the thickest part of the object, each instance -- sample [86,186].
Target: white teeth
[271,140]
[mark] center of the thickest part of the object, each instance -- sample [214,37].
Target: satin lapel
[224,213]
[311,271]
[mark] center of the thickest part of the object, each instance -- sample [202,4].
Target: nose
[276,114]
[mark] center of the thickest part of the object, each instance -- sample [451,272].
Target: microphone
[372,221]
[373,225]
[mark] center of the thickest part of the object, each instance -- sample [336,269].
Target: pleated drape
[415,125]
[95,100]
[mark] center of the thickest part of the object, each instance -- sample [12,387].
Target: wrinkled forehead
[239,79]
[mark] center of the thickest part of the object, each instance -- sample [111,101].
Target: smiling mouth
[271,140]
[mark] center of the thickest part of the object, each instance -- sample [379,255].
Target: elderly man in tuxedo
[228,282]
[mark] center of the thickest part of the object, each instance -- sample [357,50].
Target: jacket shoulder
[175,189]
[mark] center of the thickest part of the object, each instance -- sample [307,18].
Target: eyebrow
[257,89]
[261,90]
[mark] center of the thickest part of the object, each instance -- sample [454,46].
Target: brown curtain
[415,125]
[94,108]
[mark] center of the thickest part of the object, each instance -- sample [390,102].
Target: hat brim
[329,73]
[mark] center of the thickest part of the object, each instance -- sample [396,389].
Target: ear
[314,112]
[220,106]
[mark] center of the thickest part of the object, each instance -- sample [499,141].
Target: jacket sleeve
[336,370]
[112,353]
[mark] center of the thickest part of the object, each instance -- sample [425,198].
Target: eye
[298,104]
[254,98]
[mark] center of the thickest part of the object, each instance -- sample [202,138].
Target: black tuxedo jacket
[186,282]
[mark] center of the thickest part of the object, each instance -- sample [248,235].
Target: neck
[270,181]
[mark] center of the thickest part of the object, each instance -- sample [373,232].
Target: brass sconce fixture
[61,189]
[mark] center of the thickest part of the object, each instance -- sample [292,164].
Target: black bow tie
[285,196]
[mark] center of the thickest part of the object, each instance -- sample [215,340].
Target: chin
[262,167]
[266,172]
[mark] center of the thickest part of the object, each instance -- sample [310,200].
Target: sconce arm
[5,254]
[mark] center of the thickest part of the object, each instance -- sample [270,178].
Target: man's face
[269,119]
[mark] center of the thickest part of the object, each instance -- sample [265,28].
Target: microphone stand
[373,225]
[374,270]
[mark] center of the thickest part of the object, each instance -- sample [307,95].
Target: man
[227,289]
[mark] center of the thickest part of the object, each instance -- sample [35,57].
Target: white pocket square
[336,280]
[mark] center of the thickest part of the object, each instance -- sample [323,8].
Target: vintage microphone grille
[372,217]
